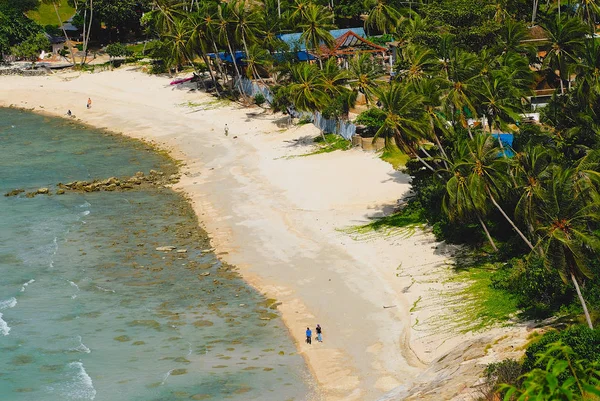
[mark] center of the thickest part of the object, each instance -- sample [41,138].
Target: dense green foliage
[14,28]
[561,374]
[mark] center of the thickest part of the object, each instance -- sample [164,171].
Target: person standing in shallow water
[89,103]
[308,336]
[319,331]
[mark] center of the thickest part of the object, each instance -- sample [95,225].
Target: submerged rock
[14,192]
[43,191]
[166,248]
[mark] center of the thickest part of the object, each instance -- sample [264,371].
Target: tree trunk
[237,71]
[64,32]
[320,130]
[487,233]
[207,61]
[86,33]
[218,62]
[585,310]
[509,220]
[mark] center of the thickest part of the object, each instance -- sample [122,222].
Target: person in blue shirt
[308,336]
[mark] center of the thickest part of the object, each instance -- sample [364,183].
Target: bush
[539,291]
[372,119]
[31,48]
[584,341]
[117,50]
[259,99]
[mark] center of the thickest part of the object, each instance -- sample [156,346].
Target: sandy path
[278,219]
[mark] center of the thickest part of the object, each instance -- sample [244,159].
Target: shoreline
[279,220]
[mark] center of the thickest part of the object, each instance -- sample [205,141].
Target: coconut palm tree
[315,23]
[497,101]
[200,42]
[306,89]
[512,38]
[566,36]
[405,120]
[563,218]
[246,22]
[463,77]
[459,202]
[383,16]
[531,169]
[178,42]
[418,63]
[363,73]
[224,18]
[487,177]
[61,25]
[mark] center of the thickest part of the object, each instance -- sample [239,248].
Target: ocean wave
[4,329]
[8,303]
[104,289]
[85,204]
[26,284]
[77,287]
[82,386]
[166,376]
[85,213]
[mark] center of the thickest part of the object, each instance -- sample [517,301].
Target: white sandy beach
[281,221]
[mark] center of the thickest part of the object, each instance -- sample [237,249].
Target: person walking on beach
[319,331]
[308,336]
[89,103]
[226,130]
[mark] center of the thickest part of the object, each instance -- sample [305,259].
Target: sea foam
[8,303]
[26,284]
[81,386]
[4,329]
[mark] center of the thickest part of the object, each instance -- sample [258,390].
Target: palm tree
[178,41]
[419,63]
[200,41]
[589,11]
[363,74]
[430,90]
[246,21]
[566,36]
[61,25]
[315,24]
[306,90]
[531,169]
[257,56]
[487,177]
[463,77]
[459,201]
[498,102]
[405,120]
[223,33]
[383,16]
[563,227]
[513,36]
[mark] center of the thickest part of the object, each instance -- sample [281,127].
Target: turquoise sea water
[89,310]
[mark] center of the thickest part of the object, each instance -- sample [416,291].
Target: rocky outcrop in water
[139,180]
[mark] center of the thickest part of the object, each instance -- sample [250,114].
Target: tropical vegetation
[455,101]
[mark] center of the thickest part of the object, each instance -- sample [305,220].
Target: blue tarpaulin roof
[294,42]
[507,141]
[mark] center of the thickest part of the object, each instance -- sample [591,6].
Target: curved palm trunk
[218,62]
[509,219]
[64,32]
[210,71]
[487,233]
[585,310]
[237,70]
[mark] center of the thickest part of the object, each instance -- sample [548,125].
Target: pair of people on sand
[319,331]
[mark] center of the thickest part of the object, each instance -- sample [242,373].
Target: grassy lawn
[394,156]
[45,14]
[332,143]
